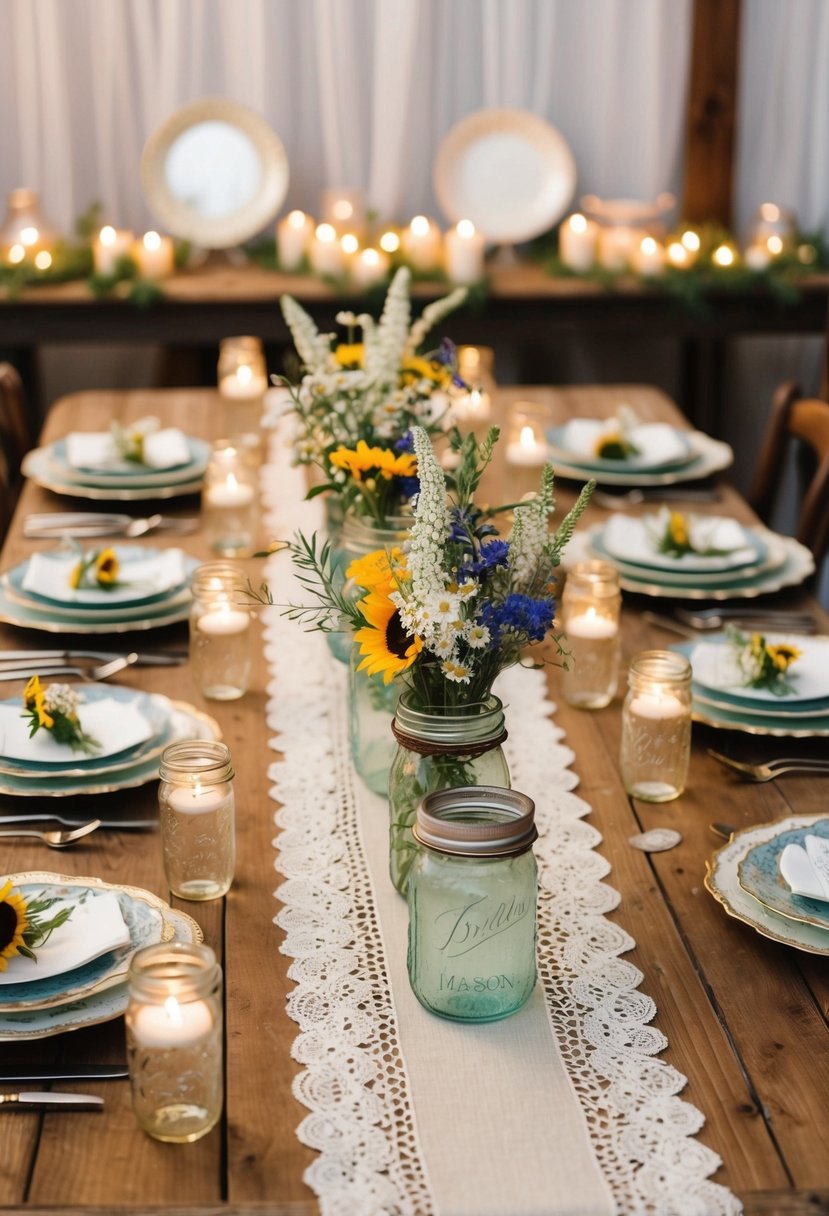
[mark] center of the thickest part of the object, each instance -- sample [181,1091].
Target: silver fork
[56,838]
[91,674]
[771,618]
[772,768]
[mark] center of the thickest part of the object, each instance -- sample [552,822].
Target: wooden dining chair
[802,422]
[15,439]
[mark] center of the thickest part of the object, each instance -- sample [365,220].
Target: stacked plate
[749,561]
[664,454]
[126,480]
[720,699]
[745,878]
[131,729]
[80,976]
[153,589]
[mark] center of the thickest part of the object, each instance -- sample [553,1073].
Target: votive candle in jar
[656,726]
[476,367]
[230,509]
[590,607]
[197,818]
[220,629]
[174,1040]
[527,423]
[472,903]
[242,376]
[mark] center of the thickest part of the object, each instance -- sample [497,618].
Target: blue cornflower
[405,443]
[448,356]
[493,553]
[519,614]
[461,523]
[409,486]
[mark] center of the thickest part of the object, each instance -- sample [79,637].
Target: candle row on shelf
[335,251]
[153,254]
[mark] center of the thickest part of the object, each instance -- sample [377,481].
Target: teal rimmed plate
[27,616]
[129,474]
[708,456]
[634,464]
[770,556]
[759,874]
[38,466]
[94,602]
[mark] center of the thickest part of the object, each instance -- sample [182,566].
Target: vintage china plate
[760,554]
[125,474]
[52,620]
[707,456]
[95,602]
[40,468]
[155,708]
[508,171]
[759,874]
[557,436]
[71,616]
[186,722]
[809,676]
[89,1010]
[143,915]
[714,701]
[722,881]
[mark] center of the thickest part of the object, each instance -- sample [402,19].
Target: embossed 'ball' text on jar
[197,818]
[656,726]
[472,903]
[174,1040]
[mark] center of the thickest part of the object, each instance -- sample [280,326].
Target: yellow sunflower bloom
[678,529]
[415,368]
[364,459]
[385,646]
[378,571]
[349,354]
[76,575]
[783,655]
[106,567]
[13,923]
[34,700]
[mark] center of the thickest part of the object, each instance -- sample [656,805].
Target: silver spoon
[56,839]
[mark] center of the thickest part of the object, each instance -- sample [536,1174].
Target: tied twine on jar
[428,747]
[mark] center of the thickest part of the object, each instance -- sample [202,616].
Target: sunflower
[782,655]
[364,459]
[349,354]
[34,701]
[384,644]
[13,923]
[613,446]
[378,571]
[106,567]
[414,368]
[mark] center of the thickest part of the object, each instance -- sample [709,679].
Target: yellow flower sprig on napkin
[675,536]
[129,441]
[98,569]
[614,441]
[22,928]
[764,664]
[55,708]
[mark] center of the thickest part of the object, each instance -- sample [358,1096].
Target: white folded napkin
[715,667]
[657,442]
[636,539]
[49,574]
[95,927]
[116,725]
[98,450]
[806,870]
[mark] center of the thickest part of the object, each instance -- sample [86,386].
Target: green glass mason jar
[472,903]
[371,708]
[356,537]
[439,749]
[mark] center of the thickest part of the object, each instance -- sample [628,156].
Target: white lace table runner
[559,1110]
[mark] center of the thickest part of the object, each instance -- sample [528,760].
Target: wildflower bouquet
[357,401]
[22,927]
[764,664]
[55,709]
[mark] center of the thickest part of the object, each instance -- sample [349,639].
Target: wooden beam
[712,112]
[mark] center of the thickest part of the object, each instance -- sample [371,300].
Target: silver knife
[160,658]
[117,825]
[48,1101]
[54,1072]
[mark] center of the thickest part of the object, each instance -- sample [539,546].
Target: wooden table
[744,1017]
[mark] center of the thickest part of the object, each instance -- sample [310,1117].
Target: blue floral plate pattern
[759,874]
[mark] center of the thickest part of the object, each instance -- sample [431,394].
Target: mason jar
[472,903]
[656,726]
[174,1040]
[220,632]
[197,818]
[357,537]
[590,606]
[371,707]
[230,503]
[438,748]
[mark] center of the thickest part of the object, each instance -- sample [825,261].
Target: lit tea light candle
[775,245]
[343,209]
[529,450]
[230,493]
[474,406]
[349,244]
[757,257]
[678,255]
[43,259]
[649,258]
[464,253]
[172,1024]
[293,235]
[154,256]
[243,384]
[578,241]
[691,240]
[657,705]
[723,255]
[109,247]
[422,243]
[16,254]
[370,266]
[590,606]
[389,241]
[591,624]
[325,253]
[224,621]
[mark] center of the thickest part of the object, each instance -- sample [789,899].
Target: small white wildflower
[458,673]
[476,636]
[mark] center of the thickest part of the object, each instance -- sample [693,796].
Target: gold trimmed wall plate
[214,173]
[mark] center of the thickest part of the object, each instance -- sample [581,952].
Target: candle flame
[390,242]
[152,241]
[326,233]
[349,243]
[370,257]
[690,240]
[244,374]
[465,229]
[527,437]
[29,235]
[775,244]
[107,235]
[173,1011]
[297,219]
[420,226]
[578,222]
[43,260]
[677,253]
[648,245]
[723,256]
[16,254]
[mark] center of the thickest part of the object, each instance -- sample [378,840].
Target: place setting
[140,461]
[98,589]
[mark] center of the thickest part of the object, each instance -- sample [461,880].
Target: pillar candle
[464,253]
[325,254]
[578,240]
[293,235]
[422,243]
[110,245]
[154,256]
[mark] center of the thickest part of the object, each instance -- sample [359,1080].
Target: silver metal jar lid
[476,821]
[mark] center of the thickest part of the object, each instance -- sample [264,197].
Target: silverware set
[772,768]
[690,624]
[20,664]
[56,838]
[78,524]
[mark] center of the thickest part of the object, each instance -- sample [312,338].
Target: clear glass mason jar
[371,707]
[590,605]
[472,903]
[197,818]
[438,749]
[357,537]
[656,726]
[230,502]
[242,377]
[220,632]
[174,1040]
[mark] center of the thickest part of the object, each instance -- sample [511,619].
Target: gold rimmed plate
[37,465]
[759,874]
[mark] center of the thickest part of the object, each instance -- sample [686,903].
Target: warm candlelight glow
[370,257]
[326,234]
[677,254]
[244,375]
[770,212]
[390,242]
[578,222]
[420,225]
[465,229]
[690,240]
[107,235]
[28,236]
[296,219]
[648,245]
[723,256]
[152,240]
[527,437]
[16,254]
[775,245]
[343,209]
[43,259]
[349,243]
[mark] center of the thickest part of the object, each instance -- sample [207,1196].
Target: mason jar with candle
[242,376]
[472,903]
[476,367]
[220,629]
[656,726]
[590,607]
[230,506]
[197,818]
[174,1040]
